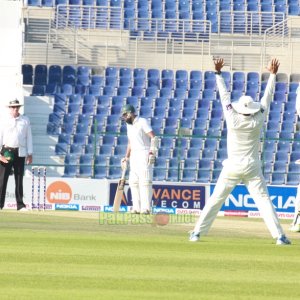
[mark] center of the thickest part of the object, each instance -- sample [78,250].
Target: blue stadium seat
[88,109]
[132,100]
[203,176]
[39,90]
[151,92]
[175,104]
[137,91]
[209,94]
[253,77]
[171,121]
[109,91]
[173,175]
[55,118]
[166,73]
[293,86]
[222,154]
[55,74]
[114,173]
[33,3]
[145,112]
[95,89]
[123,91]
[164,152]
[145,102]
[122,140]
[40,74]
[194,94]
[70,171]
[159,174]
[27,72]
[293,9]
[105,150]
[210,84]
[100,172]
[161,102]
[85,171]
[157,121]
[180,93]
[71,159]
[278,178]
[125,81]
[269,145]
[189,175]
[188,112]
[293,179]
[101,159]
[108,140]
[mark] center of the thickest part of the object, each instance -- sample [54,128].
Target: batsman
[141,154]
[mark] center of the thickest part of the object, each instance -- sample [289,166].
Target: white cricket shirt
[137,134]
[243,132]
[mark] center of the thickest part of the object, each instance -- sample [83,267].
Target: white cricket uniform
[243,163]
[140,175]
[297,204]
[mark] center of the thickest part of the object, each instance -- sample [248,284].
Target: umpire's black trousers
[18,164]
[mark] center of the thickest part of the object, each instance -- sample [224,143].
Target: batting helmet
[128,109]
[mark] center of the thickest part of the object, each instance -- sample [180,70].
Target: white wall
[11,36]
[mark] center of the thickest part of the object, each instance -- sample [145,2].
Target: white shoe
[23,209]
[295,228]
[194,237]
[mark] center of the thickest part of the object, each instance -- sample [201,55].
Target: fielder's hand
[219,64]
[151,159]
[124,163]
[274,65]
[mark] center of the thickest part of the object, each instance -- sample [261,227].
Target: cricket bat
[119,192]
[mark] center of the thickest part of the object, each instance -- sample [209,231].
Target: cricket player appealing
[296,222]
[244,119]
[141,153]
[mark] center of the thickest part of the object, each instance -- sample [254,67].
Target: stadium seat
[27,72]
[70,171]
[54,76]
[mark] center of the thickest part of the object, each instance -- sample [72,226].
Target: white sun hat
[246,106]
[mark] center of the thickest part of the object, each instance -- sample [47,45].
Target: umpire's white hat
[14,103]
[246,106]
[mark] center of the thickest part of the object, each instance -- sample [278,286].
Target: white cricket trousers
[140,181]
[253,179]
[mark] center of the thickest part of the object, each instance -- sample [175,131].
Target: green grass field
[67,255]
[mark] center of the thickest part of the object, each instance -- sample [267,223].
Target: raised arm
[224,94]
[267,97]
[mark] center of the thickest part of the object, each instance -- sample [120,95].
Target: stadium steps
[38,109]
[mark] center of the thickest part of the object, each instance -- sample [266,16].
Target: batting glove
[151,159]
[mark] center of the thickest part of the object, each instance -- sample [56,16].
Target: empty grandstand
[83,60]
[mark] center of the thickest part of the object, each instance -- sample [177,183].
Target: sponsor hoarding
[84,193]
[240,203]
[175,196]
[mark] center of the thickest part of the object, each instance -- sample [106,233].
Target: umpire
[16,147]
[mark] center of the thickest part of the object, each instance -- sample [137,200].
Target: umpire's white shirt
[16,133]
[137,134]
[243,141]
